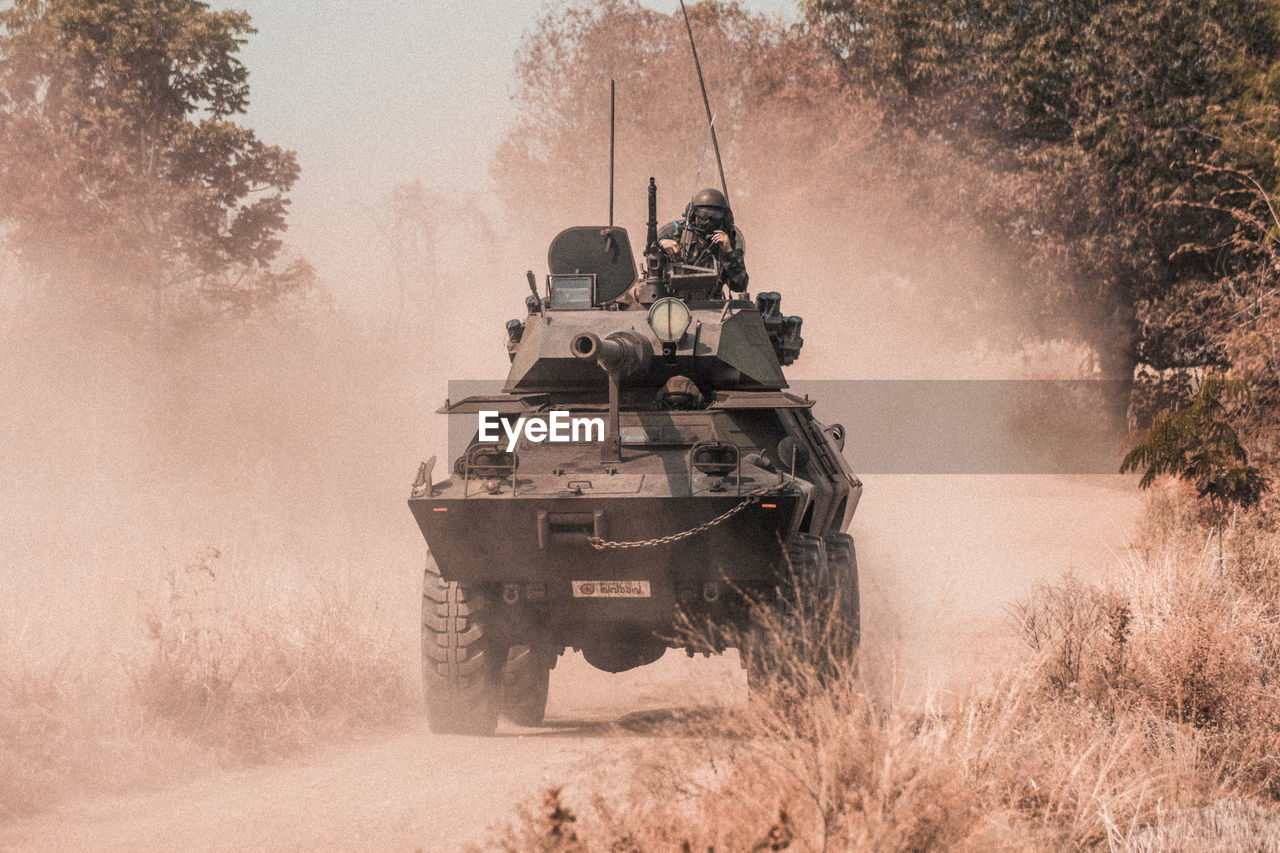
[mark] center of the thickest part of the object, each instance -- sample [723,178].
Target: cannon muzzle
[621,354]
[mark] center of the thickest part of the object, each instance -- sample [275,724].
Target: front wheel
[842,560]
[461,662]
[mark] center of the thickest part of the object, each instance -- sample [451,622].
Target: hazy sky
[371,95]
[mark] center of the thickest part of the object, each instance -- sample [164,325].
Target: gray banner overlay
[978,426]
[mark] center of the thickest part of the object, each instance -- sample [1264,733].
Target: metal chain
[601,544]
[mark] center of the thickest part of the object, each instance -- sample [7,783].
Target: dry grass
[999,769]
[283,443]
[66,726]
[207,685]
[1227,824]
[267,684]
[1144,716]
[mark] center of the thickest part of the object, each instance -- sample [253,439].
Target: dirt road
[941,559]
[408,791]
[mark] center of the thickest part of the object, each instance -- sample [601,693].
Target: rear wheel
[461,662]
[525,685]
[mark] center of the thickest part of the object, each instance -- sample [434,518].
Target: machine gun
[655,258]
[666,277]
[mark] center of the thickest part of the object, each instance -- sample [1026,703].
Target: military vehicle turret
[689,482]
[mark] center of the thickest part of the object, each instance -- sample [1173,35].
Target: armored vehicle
[696,487]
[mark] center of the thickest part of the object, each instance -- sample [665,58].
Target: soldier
[707,237]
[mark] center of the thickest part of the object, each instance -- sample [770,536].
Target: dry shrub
[1175,637]
[549,827]
[1077,632]
[1067,775]
[1194,653]
[41,721]
[64,728]
[1147,712]
[1175,522]
[858,773]
[216,681]
[817,761]
[1252,544]
[1000,769]
[1178,639]
[253,686]
[1225,824]
[1170,518]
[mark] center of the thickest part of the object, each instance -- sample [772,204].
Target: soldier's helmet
[708,211]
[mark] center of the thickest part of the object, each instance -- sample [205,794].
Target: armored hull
[705,487]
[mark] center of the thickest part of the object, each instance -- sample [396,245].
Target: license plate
[611,589]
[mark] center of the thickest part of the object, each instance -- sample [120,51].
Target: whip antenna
[711,122]
[702,158]
[611,124]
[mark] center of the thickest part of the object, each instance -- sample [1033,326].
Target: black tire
[842,560]
[780,639]
[461,662]
[817,616]
[525,684]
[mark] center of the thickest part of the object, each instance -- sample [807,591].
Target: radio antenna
[611,126]
[711,122]
[702,158]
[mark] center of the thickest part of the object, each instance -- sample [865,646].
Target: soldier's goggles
[710,218]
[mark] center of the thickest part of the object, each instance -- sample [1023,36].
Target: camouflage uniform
[696,248]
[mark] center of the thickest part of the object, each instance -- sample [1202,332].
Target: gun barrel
[651,238]
[622,353]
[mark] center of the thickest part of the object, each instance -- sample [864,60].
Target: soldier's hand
[671,247]
[720,240]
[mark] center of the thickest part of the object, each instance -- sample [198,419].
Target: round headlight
[669,318]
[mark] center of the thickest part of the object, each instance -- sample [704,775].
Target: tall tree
[1108,113]
[124,177]
[826,217]
[768,86]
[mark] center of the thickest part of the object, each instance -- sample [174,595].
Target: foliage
[1074,136]
[883,222]
[1199,445]
[1247,315]
[123,175]
[768,84]
[1102,109]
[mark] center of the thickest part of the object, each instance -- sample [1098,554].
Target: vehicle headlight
[669,318]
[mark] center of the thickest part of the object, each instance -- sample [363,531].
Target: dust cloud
[128,455]
[288,444]
[291,442]
[943,557]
